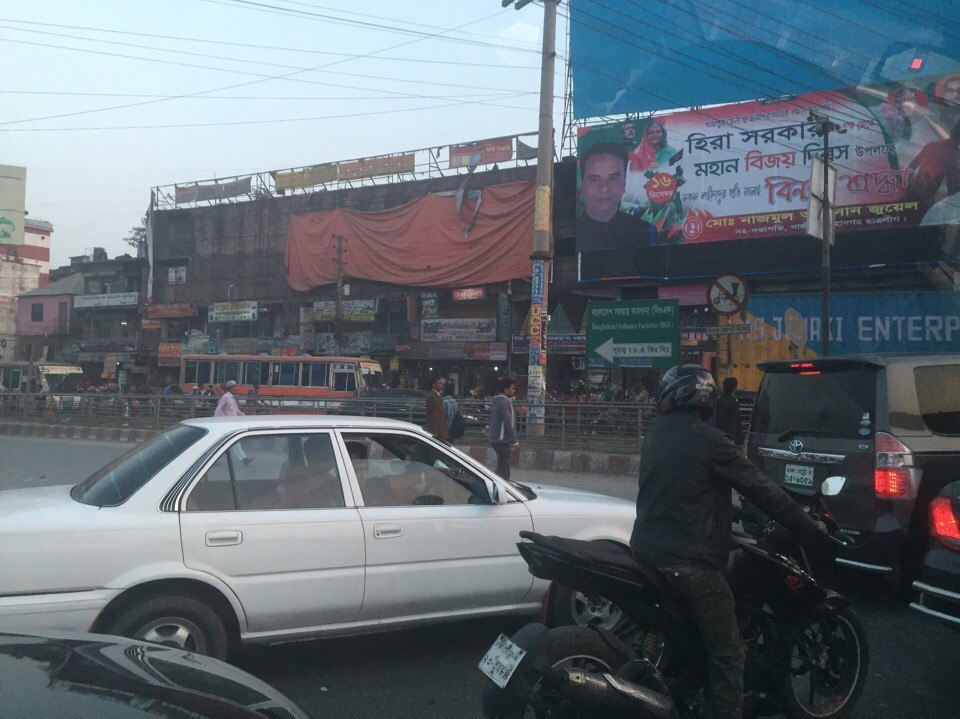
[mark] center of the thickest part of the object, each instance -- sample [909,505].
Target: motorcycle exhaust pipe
[608,692]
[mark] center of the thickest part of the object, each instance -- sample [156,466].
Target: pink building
[44,316]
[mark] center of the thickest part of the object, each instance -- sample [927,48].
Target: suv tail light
[893,476]
[943,524]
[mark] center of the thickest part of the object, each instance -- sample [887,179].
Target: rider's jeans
[706,592]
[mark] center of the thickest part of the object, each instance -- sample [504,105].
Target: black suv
[890,424]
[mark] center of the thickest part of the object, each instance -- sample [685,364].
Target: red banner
[164,311]
[168,354]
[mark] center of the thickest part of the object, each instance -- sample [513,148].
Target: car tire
[176,621]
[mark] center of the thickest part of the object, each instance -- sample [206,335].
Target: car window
[835,403]
[398,470]
[116,482]
[938,390]
[271,472]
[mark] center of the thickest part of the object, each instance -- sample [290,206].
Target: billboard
[636,56]
[483,152]
[13,198]
[633,333]
[860,322]
[350,310]
[743,171]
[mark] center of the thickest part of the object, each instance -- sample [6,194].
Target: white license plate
[501,661]
[799,475]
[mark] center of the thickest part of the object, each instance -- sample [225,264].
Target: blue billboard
[920,322]
[632,56]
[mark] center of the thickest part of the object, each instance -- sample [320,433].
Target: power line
[230,97]
[228,43]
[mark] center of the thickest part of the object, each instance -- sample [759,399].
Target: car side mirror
[832,486]
[493,491]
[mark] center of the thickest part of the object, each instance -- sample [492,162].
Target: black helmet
[687,385]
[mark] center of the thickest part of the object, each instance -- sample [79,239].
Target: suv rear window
[938,389]
[112,485]
[828,402]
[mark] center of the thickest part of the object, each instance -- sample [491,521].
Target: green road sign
[633,333]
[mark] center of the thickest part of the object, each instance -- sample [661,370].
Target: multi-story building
[22,268]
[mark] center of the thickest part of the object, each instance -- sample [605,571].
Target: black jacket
[684,507]
[726,417]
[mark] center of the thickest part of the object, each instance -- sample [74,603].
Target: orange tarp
[421,243]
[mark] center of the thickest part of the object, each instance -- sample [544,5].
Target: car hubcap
[174,632]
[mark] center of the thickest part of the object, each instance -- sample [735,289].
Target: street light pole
[542,226]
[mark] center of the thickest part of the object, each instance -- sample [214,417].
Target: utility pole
[338,316]
[542,225]
[824,127]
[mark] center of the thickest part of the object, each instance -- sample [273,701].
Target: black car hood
[99,677]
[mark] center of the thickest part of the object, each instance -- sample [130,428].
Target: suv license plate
[501,661]
[799,475]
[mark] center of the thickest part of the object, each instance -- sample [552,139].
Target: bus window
[344,381]
[203,372]
[288,374]
[251,372]
[190,373]
[265,373]
[372,376]
[227,371]
[318,374]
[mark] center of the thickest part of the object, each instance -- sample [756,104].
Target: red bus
[307,377]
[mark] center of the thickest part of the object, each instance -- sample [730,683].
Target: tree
[137,236]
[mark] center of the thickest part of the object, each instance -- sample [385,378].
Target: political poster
[743,171]
[13,196]
[483,152]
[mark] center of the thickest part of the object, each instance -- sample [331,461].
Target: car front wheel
[175,621]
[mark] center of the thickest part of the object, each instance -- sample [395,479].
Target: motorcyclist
[684,517]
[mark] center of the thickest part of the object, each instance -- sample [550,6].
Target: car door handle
[225,538]
[384,531]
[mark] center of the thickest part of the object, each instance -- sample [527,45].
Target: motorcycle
[806,649]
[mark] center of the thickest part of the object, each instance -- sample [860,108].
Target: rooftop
[69,285]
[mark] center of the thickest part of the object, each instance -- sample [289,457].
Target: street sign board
[727,295]
[633,333]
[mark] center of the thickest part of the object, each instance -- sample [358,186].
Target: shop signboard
[169,353]
[115,299]
[429,305]
[232,311]
[484,351]
[573,344]
[150,325]
[271,344]
[469,293]
[459,329]
[350,311]
[351,343]
[633,333]
[170,310]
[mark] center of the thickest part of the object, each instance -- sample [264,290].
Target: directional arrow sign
[633,333]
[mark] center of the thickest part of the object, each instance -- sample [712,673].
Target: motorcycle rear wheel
[567,647]
[828,667]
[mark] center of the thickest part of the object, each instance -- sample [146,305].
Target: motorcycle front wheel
[565,648]
[826,664]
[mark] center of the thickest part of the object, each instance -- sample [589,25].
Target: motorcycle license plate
[501,661]
[799,475]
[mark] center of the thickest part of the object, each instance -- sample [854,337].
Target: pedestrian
[227,405]
[450,407]
[727,413]
[436,420]
[503,432]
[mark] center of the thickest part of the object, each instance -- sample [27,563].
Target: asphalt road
[430,673]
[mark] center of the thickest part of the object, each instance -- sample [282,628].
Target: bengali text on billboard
[13,195]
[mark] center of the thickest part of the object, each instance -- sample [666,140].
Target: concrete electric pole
[542,225]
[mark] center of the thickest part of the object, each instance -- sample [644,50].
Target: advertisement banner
[150,325]
[743,171]
[633,333]
[13,198]
[575,344]
[232,312]
[377,166]
[486,351]
[351,343]
[429,305]
[274,344]
[307,177]
[170,310]
[469,293]
[350,311]
[117,299]
[629,56]
[459,329]
[212,191]
[484,152]
[168,354]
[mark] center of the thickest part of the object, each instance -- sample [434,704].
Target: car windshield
[115,483]
[822,403]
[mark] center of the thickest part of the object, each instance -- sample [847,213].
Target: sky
[104,99]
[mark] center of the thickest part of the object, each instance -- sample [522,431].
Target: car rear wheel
[175,621]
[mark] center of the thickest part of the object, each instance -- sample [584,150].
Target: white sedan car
[269,529]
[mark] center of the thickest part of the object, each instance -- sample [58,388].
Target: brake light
[805,368]
[943,523]
[893,476]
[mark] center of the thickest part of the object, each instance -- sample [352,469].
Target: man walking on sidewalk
[436,419]
[503,432]
[227,404]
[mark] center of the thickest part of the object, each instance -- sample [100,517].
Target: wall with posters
[882,322]
[742,171]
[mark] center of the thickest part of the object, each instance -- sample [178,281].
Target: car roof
[881,360]
[298,421]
